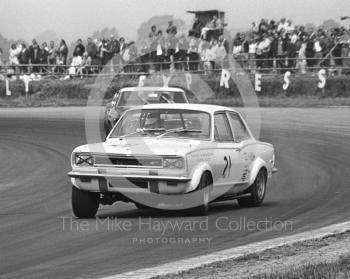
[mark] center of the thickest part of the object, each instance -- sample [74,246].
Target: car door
[229,166]
[246,146]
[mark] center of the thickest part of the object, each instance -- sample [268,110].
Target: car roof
[149,88]
[200,107]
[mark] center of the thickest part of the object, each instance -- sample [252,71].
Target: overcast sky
[80,18]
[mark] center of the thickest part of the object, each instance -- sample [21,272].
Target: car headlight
[173,163]
[83,160]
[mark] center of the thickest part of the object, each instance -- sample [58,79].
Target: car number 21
[227,169]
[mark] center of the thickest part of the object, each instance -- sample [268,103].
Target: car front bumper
[130,183]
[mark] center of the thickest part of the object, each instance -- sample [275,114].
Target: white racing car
[172,156]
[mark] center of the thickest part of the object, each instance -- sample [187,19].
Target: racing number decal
[227,166]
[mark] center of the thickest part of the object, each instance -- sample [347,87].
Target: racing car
[172,157]
[135,96]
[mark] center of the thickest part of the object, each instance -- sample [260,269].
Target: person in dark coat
[23,59]
[62,56]
[79,49]
[43,57]
[34,56]
[91,48]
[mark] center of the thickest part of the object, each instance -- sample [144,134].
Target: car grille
[128,161]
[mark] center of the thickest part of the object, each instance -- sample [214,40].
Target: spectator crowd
[268,46]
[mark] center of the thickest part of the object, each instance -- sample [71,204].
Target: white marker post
[8,91]
[257,83]
[26,80]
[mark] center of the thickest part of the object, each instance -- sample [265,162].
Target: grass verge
[337,270]
[328,257]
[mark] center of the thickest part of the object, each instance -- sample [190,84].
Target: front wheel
[84,204]
[257,192]
[204,191]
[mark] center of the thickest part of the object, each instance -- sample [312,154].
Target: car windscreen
[164,123]
[140,97]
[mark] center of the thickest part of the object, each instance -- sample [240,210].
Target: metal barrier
[136,68]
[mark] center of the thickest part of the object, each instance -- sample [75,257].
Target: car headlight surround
[173,162]
[83,160]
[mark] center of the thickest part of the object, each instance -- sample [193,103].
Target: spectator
[171,30]
[85,66]
[114,46]
[253,44]
[197,26]
[122,48]
[104,53]
[301,63]
[75,65]
[220,52]
[180,55]
[272,54]
[23,58]
[254,28]
[13,58]
[153,36]
[79,49]
[318,50]
[291,52]
[52,56]
[114,49]
[43,57]
[208,57]
[34,56]
[310,52]
[129,57]
[160,52]
[282,26]
[223,42]
[91,48]
[144,57]
[237,46]
[213,22]
[193,55]
[262,51]
[289,28]
[62,56]
[263,26]
[2,63]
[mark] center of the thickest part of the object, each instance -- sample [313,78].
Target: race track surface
[40,238]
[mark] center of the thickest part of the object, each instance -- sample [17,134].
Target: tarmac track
[311,190]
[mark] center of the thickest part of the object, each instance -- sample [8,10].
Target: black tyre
[203,186]
[84,204]
[257,191]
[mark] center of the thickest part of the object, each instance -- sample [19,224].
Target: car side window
[222,130]
[239,129]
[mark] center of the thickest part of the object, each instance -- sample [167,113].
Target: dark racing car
[134,96]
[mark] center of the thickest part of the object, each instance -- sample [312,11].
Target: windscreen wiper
[143,131]
[180,131]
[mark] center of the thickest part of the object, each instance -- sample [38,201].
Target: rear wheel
[84,204]
[257,191]
[204,191]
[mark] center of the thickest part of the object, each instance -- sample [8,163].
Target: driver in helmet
[153,121]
